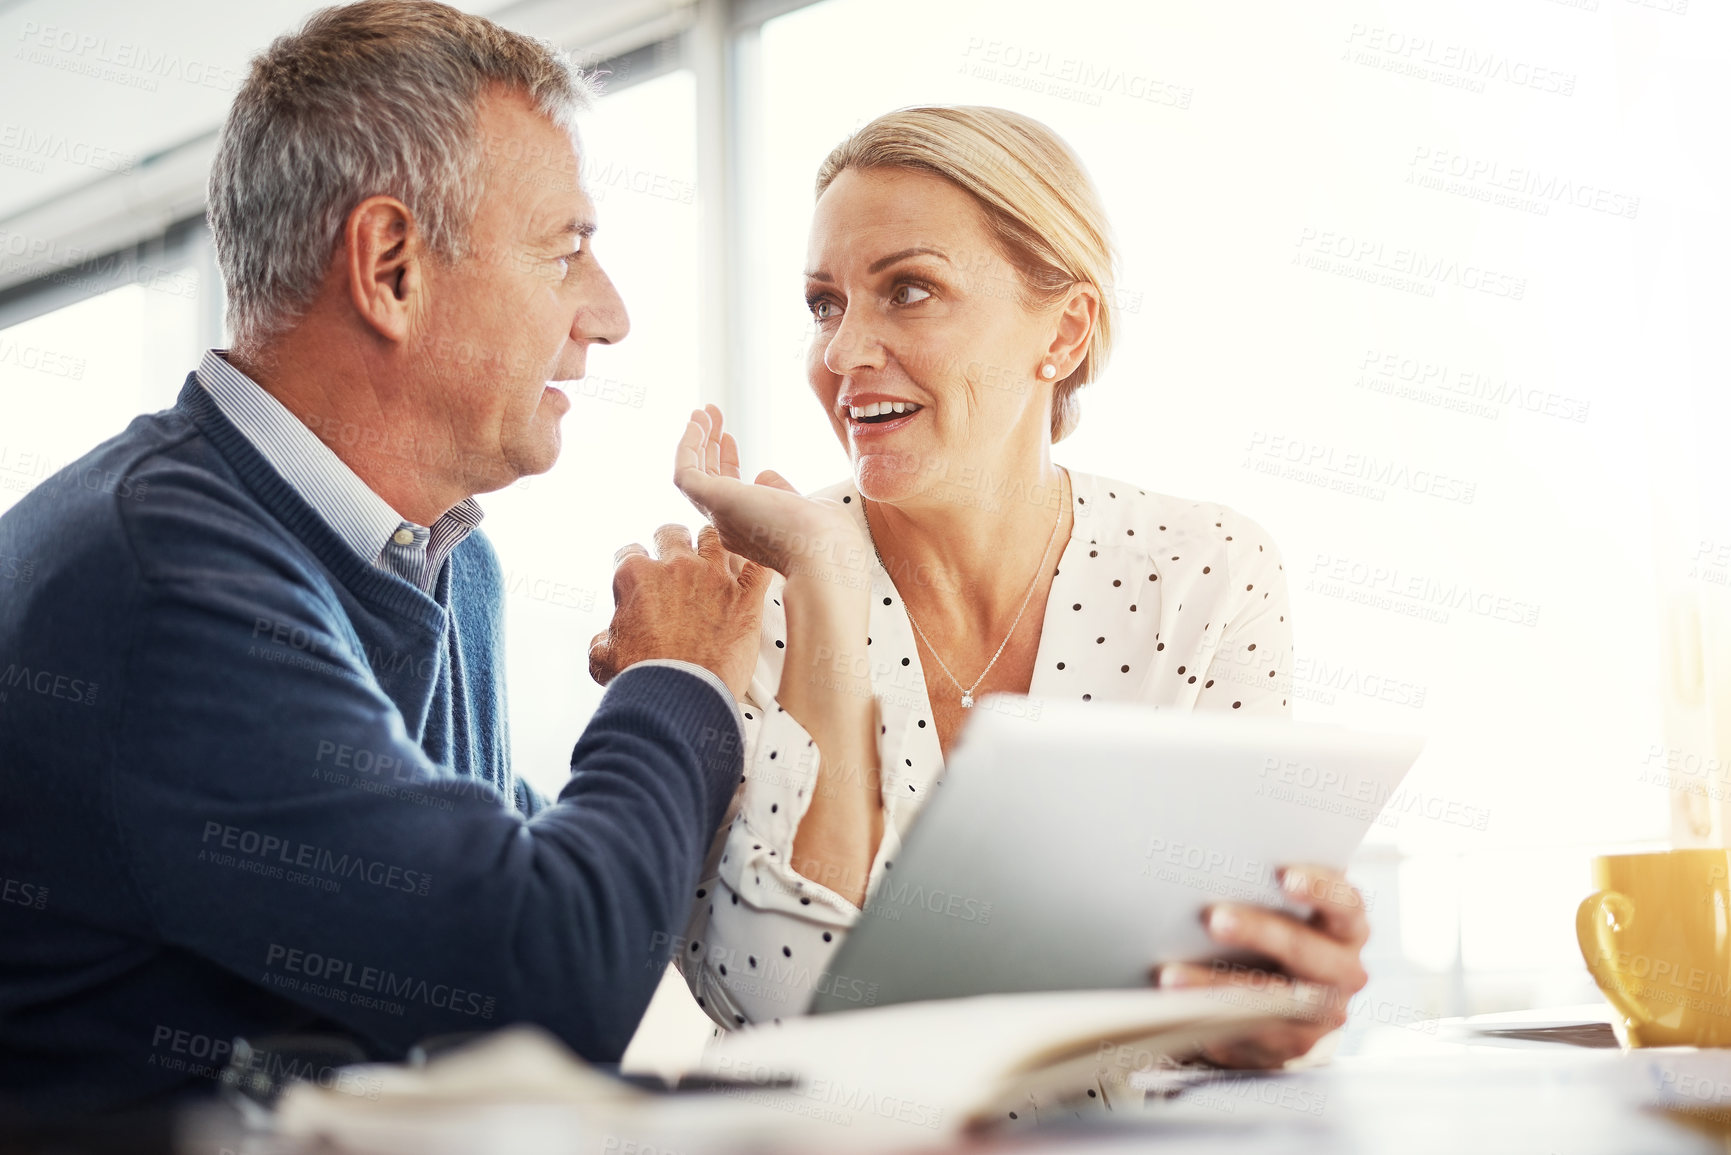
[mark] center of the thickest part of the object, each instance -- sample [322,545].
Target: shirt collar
[364,520]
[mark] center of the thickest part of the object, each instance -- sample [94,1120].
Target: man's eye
[902,295]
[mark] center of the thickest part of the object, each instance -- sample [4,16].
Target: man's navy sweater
[253,784]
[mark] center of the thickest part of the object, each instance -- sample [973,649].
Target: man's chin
[529,456]
[540,458]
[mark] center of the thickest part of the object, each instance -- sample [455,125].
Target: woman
[959,283]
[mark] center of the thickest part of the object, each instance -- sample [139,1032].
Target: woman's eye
[903,295]
[824,310]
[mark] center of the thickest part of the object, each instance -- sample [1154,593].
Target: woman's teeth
[881,410]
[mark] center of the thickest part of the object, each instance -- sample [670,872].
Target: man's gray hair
[377,97]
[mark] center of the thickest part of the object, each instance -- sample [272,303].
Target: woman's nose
[853,346]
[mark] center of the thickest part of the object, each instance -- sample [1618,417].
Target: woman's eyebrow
[882,263]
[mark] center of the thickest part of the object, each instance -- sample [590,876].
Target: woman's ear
[383,266]
[1077,316]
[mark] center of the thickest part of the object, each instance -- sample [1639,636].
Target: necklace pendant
[967,701]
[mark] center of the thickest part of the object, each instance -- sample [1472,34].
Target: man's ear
[1077,317]
[384,256]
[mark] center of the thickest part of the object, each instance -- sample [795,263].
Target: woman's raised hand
[768,522]
[825,683]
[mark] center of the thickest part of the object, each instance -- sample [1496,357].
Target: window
[80,374]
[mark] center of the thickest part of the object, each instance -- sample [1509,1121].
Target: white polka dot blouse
[1157,599]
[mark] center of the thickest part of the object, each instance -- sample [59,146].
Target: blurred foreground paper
[906,1076]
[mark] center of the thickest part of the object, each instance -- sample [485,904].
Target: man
[252,717]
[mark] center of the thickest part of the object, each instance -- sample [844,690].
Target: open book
[908,1075]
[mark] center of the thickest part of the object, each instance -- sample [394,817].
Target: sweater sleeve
[280,821]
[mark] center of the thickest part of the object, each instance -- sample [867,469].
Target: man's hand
[698,605]
[1319,961]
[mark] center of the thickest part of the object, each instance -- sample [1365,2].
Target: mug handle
[1597,921]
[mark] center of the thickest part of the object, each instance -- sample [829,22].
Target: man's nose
[601,318]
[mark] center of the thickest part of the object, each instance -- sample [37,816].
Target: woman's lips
[860,429]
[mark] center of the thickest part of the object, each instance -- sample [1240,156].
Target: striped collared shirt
[359,516]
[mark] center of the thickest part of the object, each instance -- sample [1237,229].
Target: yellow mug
[1656,935]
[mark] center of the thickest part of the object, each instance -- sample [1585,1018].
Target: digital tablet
[1075,847]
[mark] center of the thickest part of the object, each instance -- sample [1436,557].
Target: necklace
[968,691]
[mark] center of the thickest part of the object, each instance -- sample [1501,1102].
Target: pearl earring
[1048,371]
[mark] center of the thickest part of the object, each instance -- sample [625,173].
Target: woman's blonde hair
[1038,202]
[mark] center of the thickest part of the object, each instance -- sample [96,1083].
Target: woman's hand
[825,676]
[768,522]
[1318,959]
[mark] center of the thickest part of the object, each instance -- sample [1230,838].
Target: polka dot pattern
[1156,599]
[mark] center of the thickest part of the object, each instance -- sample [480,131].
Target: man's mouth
[881,412]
